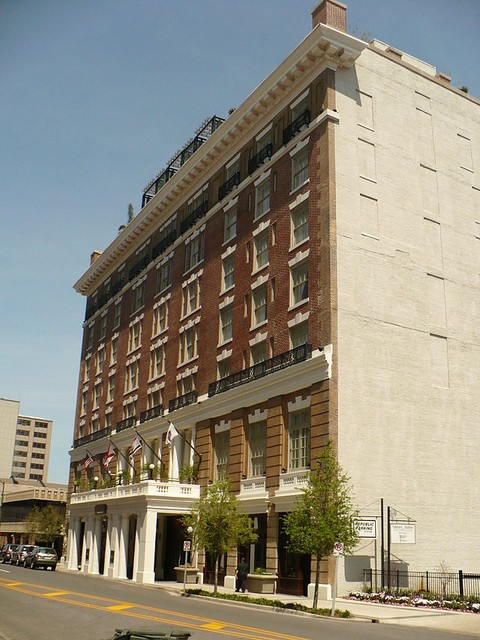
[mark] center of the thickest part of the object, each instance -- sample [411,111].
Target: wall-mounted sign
[365,527]
[100,509]
[402,533]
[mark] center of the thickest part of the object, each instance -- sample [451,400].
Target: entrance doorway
[132,534]
[293,568]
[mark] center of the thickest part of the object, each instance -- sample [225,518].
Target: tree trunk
[317,580]
[215,581]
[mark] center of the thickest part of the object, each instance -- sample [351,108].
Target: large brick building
[305,271]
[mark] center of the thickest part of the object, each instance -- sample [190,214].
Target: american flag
[136,445]
[88,461]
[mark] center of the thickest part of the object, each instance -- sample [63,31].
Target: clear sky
[95,97]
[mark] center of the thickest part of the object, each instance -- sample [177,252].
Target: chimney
[332,13]
[96,254]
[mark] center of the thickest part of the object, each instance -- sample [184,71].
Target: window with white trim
[259,305]
[131,376]
[100,360]
[157,361]
[260,243]
[111,388]
[194,251]
[103,326]
[299,440]
[86,373]
[299,216]
[228,272]
[114,351]
[191,299]
[226,326]
[186,384]
[257,444]
[222,449]
[83,408]
[300,168]
[138,297]
[90,336]
[224,368]
[97,394]
[164,275]
[154,399]
[117,316]
[299,282]
[299,334]
[130,410]
[230,224]
[188,344]
[258,353]
[160,318]
[262,198]
[135,336]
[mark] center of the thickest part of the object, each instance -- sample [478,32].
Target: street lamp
[151,467]
[187,545]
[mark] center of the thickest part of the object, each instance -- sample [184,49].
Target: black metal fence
[433,582]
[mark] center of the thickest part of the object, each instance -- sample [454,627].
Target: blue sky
[95,97]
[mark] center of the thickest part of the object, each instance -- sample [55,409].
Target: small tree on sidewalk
[217,525]
[323,514]
[46,523]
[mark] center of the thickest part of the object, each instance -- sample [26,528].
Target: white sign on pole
[402,533]
[338,548]
[365,527]
[186,545]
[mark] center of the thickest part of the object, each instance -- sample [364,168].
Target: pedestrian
[241,573]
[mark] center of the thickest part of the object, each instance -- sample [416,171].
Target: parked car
[41,557]
[6,552]
[18,556]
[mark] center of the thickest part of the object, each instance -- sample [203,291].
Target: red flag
[108,456]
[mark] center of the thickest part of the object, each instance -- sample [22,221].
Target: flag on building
[171,434]
[88,461]
[136,446]
[108,456]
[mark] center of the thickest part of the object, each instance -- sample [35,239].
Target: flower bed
[455,603]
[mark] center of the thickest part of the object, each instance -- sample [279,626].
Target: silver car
[18,556]
[41,557]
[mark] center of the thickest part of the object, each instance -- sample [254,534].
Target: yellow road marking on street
[53,594]
[214,625]
[13,584]
[120,607]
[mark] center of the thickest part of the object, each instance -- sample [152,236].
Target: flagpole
[148,446]
[189,443]
[122,454]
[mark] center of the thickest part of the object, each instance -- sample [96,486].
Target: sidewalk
[468,623]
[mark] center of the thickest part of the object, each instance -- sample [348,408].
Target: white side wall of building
[8,425]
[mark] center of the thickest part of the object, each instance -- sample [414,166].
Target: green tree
[46,523]
[323,514]
[217,525]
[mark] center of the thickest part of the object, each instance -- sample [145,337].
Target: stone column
[175,453]
[88,544]
[94,555]
[72,544]
[123,548]
[272,539]
[114,544]
[146,530]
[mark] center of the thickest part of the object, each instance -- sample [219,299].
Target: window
[228,268]
[108,421]
[103,327]
[21,443]
[224,368]
[22,432]
[186,384]
[130,410]
[84,403]
[135,336]
[261,250]
[299,440]
[226,332]
[39,445]
[194,251]
[100,360]
[164,275]
[198,201]
[300,168]
[114,351]
[299,283]
[23,422]
[117,316]
[299,334]
[157,361]
[86,375]
[111,388]
[39,434]
[299,224]
[41,425]
[138,295]
[259,298]
[191,297]
[91,331]
[222,446]
[257,441]
[160,318]
[230,224]
[38,456]
[97,395]
[258,353]
[154,399]
[188,344]
[262,198]
[131,377]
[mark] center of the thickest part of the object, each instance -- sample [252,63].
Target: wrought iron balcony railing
[90,437]
[258,159]
[126,423]
[297,125]
[164,243]
[153,412]
[192,217]
[227,186]
[138,267]
[182,401]
[262,369]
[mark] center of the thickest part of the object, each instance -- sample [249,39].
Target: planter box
[261,583]
[191,577]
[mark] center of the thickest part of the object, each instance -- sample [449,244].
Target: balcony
[164,243]
[138,267]
[171,491]
[262,369]
[90,437]
[262,156]
[126,423]
[229,185]
[192,217]
[297,125]
[182,401]
[150,414]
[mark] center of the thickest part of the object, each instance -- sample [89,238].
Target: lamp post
[151,467]
[187,544]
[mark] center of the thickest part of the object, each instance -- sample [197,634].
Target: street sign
[365,527]
[338,548]
[186,545]
[402,533]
